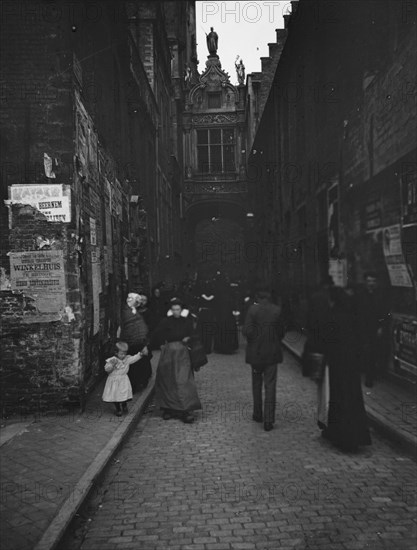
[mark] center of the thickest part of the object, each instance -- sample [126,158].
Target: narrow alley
[224,483]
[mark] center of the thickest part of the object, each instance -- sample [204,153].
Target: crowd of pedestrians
[345,329]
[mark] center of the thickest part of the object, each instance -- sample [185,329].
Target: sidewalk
[49,464]
[391,408]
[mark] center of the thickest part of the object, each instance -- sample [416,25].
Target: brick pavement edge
[56,529]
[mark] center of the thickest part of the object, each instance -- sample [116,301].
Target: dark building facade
[215,177]
[91,182]
[258,85]
[335,160]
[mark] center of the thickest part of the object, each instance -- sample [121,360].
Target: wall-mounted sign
[394,259]
[391,241]
[399,275]
[52,200]
[40,275]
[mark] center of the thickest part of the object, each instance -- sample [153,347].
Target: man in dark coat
[263,333]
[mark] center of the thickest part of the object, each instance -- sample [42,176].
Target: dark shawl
[134,329]
[171,329]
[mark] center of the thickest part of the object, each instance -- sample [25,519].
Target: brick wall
[35,114]
[40,365]
[68,91]
[40,353]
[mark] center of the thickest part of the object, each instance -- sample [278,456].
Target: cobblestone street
[223,483]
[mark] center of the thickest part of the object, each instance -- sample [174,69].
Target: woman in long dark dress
[134,332]
[347,420]
[206,326]
[175,389]
[226,336]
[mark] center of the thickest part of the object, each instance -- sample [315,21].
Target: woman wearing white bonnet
[134,332]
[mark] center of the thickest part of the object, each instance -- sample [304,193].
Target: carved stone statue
[187,75]
[212,39]
[240,71]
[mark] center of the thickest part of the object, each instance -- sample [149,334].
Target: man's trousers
[265,375]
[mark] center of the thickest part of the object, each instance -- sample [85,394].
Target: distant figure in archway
[226,334]
[157,308]
[206,326]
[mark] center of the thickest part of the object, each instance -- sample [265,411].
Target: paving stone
[223,483]
[272,505]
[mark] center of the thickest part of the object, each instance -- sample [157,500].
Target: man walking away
[263,333]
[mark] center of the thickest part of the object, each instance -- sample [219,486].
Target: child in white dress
[118,389]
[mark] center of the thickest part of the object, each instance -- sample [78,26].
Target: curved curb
[56,529]
[388,429]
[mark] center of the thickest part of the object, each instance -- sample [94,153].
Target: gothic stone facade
[215,175]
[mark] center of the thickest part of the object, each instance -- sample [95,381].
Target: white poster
[391,241]
[52,200]
[394,259]
[41,276]
[48,165]
[399,275]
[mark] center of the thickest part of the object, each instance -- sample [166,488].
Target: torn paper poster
[53,200]
[48,164]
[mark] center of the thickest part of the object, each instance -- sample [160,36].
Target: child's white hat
[122,346]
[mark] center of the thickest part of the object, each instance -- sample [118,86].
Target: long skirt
[347,419]
[141,371]
[175,387]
